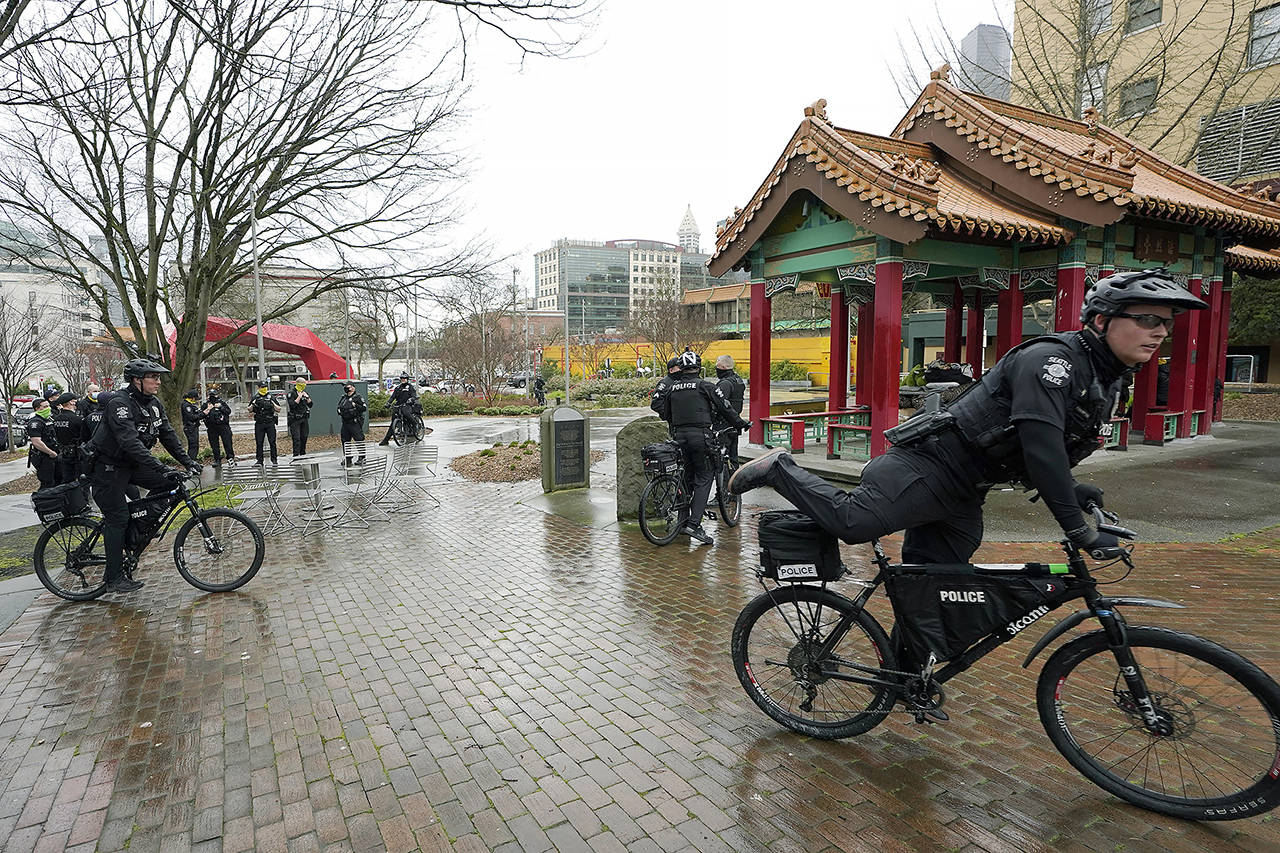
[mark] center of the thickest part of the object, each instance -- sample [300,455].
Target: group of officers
[215,415]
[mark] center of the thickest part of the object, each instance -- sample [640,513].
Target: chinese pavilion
[979,202]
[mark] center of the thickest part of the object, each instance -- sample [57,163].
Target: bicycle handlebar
[1107,522]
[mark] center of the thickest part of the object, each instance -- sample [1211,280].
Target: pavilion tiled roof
[1091,159]
[899,177]
[1248,259]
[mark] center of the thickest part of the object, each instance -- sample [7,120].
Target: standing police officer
[734,389]
[192,417]
[299,417]
[89,401]
[266,414]
[689,403]
[120,451]
[67,429]
[217,423]
[351,408]
[42,455]
[1029,420]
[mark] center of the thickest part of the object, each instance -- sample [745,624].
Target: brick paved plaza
[489,676]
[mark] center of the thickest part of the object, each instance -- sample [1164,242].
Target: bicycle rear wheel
[776,653]
[1220,760]
[660,515]
[69,558]
[730,504]
[227,558]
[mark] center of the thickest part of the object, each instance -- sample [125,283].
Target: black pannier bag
[946,609]
[794,547]
[665,457]
[145,515]
[58,502]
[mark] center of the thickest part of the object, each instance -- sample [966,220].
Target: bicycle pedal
[933,715]
[710,513]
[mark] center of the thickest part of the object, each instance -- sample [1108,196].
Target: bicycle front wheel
[399,433]
[1220,757]
[70,560]
[777,653]
[224,553]
[730,504]
[660,516]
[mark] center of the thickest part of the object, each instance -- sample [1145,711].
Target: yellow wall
[811,353]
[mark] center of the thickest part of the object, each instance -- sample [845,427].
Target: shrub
[513,410]
[1233,395]
[528,441]
[443,404]
[513,444]
[488,452]
[613,401]
[635,391]
[786,371]
[378,402]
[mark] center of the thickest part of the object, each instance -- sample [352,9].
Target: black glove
[1087,493]
[194,469]
[174,478]
[743,426]
[1098,544]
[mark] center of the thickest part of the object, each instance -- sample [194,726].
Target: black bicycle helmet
[690,360]
[140,367]
[404,375]
[1148,287]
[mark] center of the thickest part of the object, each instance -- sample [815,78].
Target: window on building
[1237,143]
[1264,36]
[1137,97]
[1097,15]
[1142,14]
[1093,86]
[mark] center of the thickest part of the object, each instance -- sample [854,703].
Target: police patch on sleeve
[1055,372]
[122,411]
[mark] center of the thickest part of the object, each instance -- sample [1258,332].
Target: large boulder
[631,481]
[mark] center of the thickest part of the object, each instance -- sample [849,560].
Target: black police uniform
[265,418]
[351,408]
[1030,418]
[217,424]
[92,421]
[687,402]
[734,389]
[192,417]
[46,466]
[120,454]
[67,429]
[403,395]
[299,420]
[540,391]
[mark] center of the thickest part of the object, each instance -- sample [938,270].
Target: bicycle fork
[1139,697]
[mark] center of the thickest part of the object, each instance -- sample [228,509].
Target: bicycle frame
[1080,584]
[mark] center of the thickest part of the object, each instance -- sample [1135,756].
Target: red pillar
[838,372]
[1144,393]
[761,327]
[951,340]
[862,376]
[887,345]
[1182,378]
[1224,326]
[1009,315]
[1207,354]
[975,332]
[1070,298]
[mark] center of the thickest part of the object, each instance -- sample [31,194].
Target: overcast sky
[677,102]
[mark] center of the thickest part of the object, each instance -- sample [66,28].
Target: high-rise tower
[688,234]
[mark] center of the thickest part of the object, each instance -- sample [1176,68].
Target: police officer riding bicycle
[120,454]
[1029,420]
[404,402]
[689,403]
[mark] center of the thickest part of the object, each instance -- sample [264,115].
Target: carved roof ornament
[1263,193]
[942,72]
[1130,159]
[1091,117]
[818,109]
[931,174]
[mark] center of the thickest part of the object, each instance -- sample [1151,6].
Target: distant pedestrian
[67,429]
[351,408]
[299,417]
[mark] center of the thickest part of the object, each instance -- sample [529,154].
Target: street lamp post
[257,294]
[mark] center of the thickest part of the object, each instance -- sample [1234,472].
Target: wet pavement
[506,672]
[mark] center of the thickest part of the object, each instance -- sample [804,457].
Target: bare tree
[474,344]
[380,325]
[662,320]
[23,348]
[70,355]
[1070,55]
[158,138]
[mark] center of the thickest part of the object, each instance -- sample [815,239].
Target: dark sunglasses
[1149,321]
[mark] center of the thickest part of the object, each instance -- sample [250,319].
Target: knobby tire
[234,533]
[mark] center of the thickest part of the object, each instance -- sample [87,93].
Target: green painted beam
[958,254]
[808,264]
[816,237]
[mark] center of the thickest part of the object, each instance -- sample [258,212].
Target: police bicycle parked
[217,549]
[406,424]
[1166,720]
[665,501]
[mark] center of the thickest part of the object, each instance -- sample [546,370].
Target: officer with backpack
[734,389]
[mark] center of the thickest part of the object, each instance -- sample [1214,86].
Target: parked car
[456,386]
[17,432]
[519,380]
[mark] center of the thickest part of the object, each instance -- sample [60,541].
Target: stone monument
[565,436]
